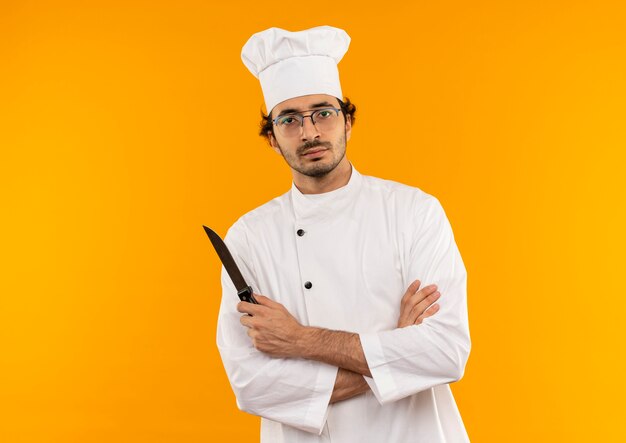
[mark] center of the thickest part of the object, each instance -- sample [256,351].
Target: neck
[335,179]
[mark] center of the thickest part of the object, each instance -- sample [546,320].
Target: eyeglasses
[290,125]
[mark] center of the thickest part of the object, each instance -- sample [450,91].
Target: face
[312,153]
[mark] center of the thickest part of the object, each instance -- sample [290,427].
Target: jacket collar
[317,207]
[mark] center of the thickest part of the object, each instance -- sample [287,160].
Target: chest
[344,273]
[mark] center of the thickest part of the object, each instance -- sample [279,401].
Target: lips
[314,151]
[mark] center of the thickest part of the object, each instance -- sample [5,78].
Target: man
[346,344]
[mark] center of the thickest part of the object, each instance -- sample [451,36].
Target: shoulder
[419,215]
[403,197]
[412,209]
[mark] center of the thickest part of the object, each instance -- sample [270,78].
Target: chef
[362,317]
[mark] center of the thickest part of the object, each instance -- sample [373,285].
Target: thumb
[263,300]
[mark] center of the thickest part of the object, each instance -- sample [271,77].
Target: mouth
[314,152]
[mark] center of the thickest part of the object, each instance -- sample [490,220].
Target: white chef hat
[291,64]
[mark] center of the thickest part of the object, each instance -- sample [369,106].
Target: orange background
[124,126]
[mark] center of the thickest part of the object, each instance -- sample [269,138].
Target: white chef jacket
[360,246]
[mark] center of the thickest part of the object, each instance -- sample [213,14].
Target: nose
[309,130]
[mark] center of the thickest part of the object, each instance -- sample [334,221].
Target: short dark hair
[267,126]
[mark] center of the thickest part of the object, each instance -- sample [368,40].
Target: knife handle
[246,295]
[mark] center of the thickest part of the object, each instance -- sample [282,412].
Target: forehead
[305,102]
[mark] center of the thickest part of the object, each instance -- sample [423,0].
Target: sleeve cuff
[318,411]
[381,382]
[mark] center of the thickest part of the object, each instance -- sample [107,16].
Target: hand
[271,327]
[414,306]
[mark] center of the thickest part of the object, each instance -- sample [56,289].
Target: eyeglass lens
[323,119]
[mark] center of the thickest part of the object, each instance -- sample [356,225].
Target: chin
[318,170]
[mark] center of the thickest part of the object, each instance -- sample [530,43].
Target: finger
[409,306]
[247,321]
[421,307]
[249,308]
[405,307]
[413,287]
[427,313]
[422,294]
[265,301]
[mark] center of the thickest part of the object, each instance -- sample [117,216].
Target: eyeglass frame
[337,110]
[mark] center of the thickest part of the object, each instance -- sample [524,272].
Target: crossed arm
[276,332]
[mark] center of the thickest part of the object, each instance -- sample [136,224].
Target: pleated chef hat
[291,64]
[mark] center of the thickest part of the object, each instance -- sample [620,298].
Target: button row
[308,284]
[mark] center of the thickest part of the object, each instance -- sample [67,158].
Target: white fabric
[292,64]
[363,245]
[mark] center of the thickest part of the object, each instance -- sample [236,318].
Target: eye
[286,121]
[324,113]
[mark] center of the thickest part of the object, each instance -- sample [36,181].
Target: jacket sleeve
[408,360]
[295,392]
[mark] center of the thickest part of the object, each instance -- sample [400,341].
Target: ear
[348,126]
[273,142]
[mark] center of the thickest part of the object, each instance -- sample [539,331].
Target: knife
[244,291]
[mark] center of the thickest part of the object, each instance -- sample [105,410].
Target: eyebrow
[316,105]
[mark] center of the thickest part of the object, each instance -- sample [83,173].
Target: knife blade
[244,291]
